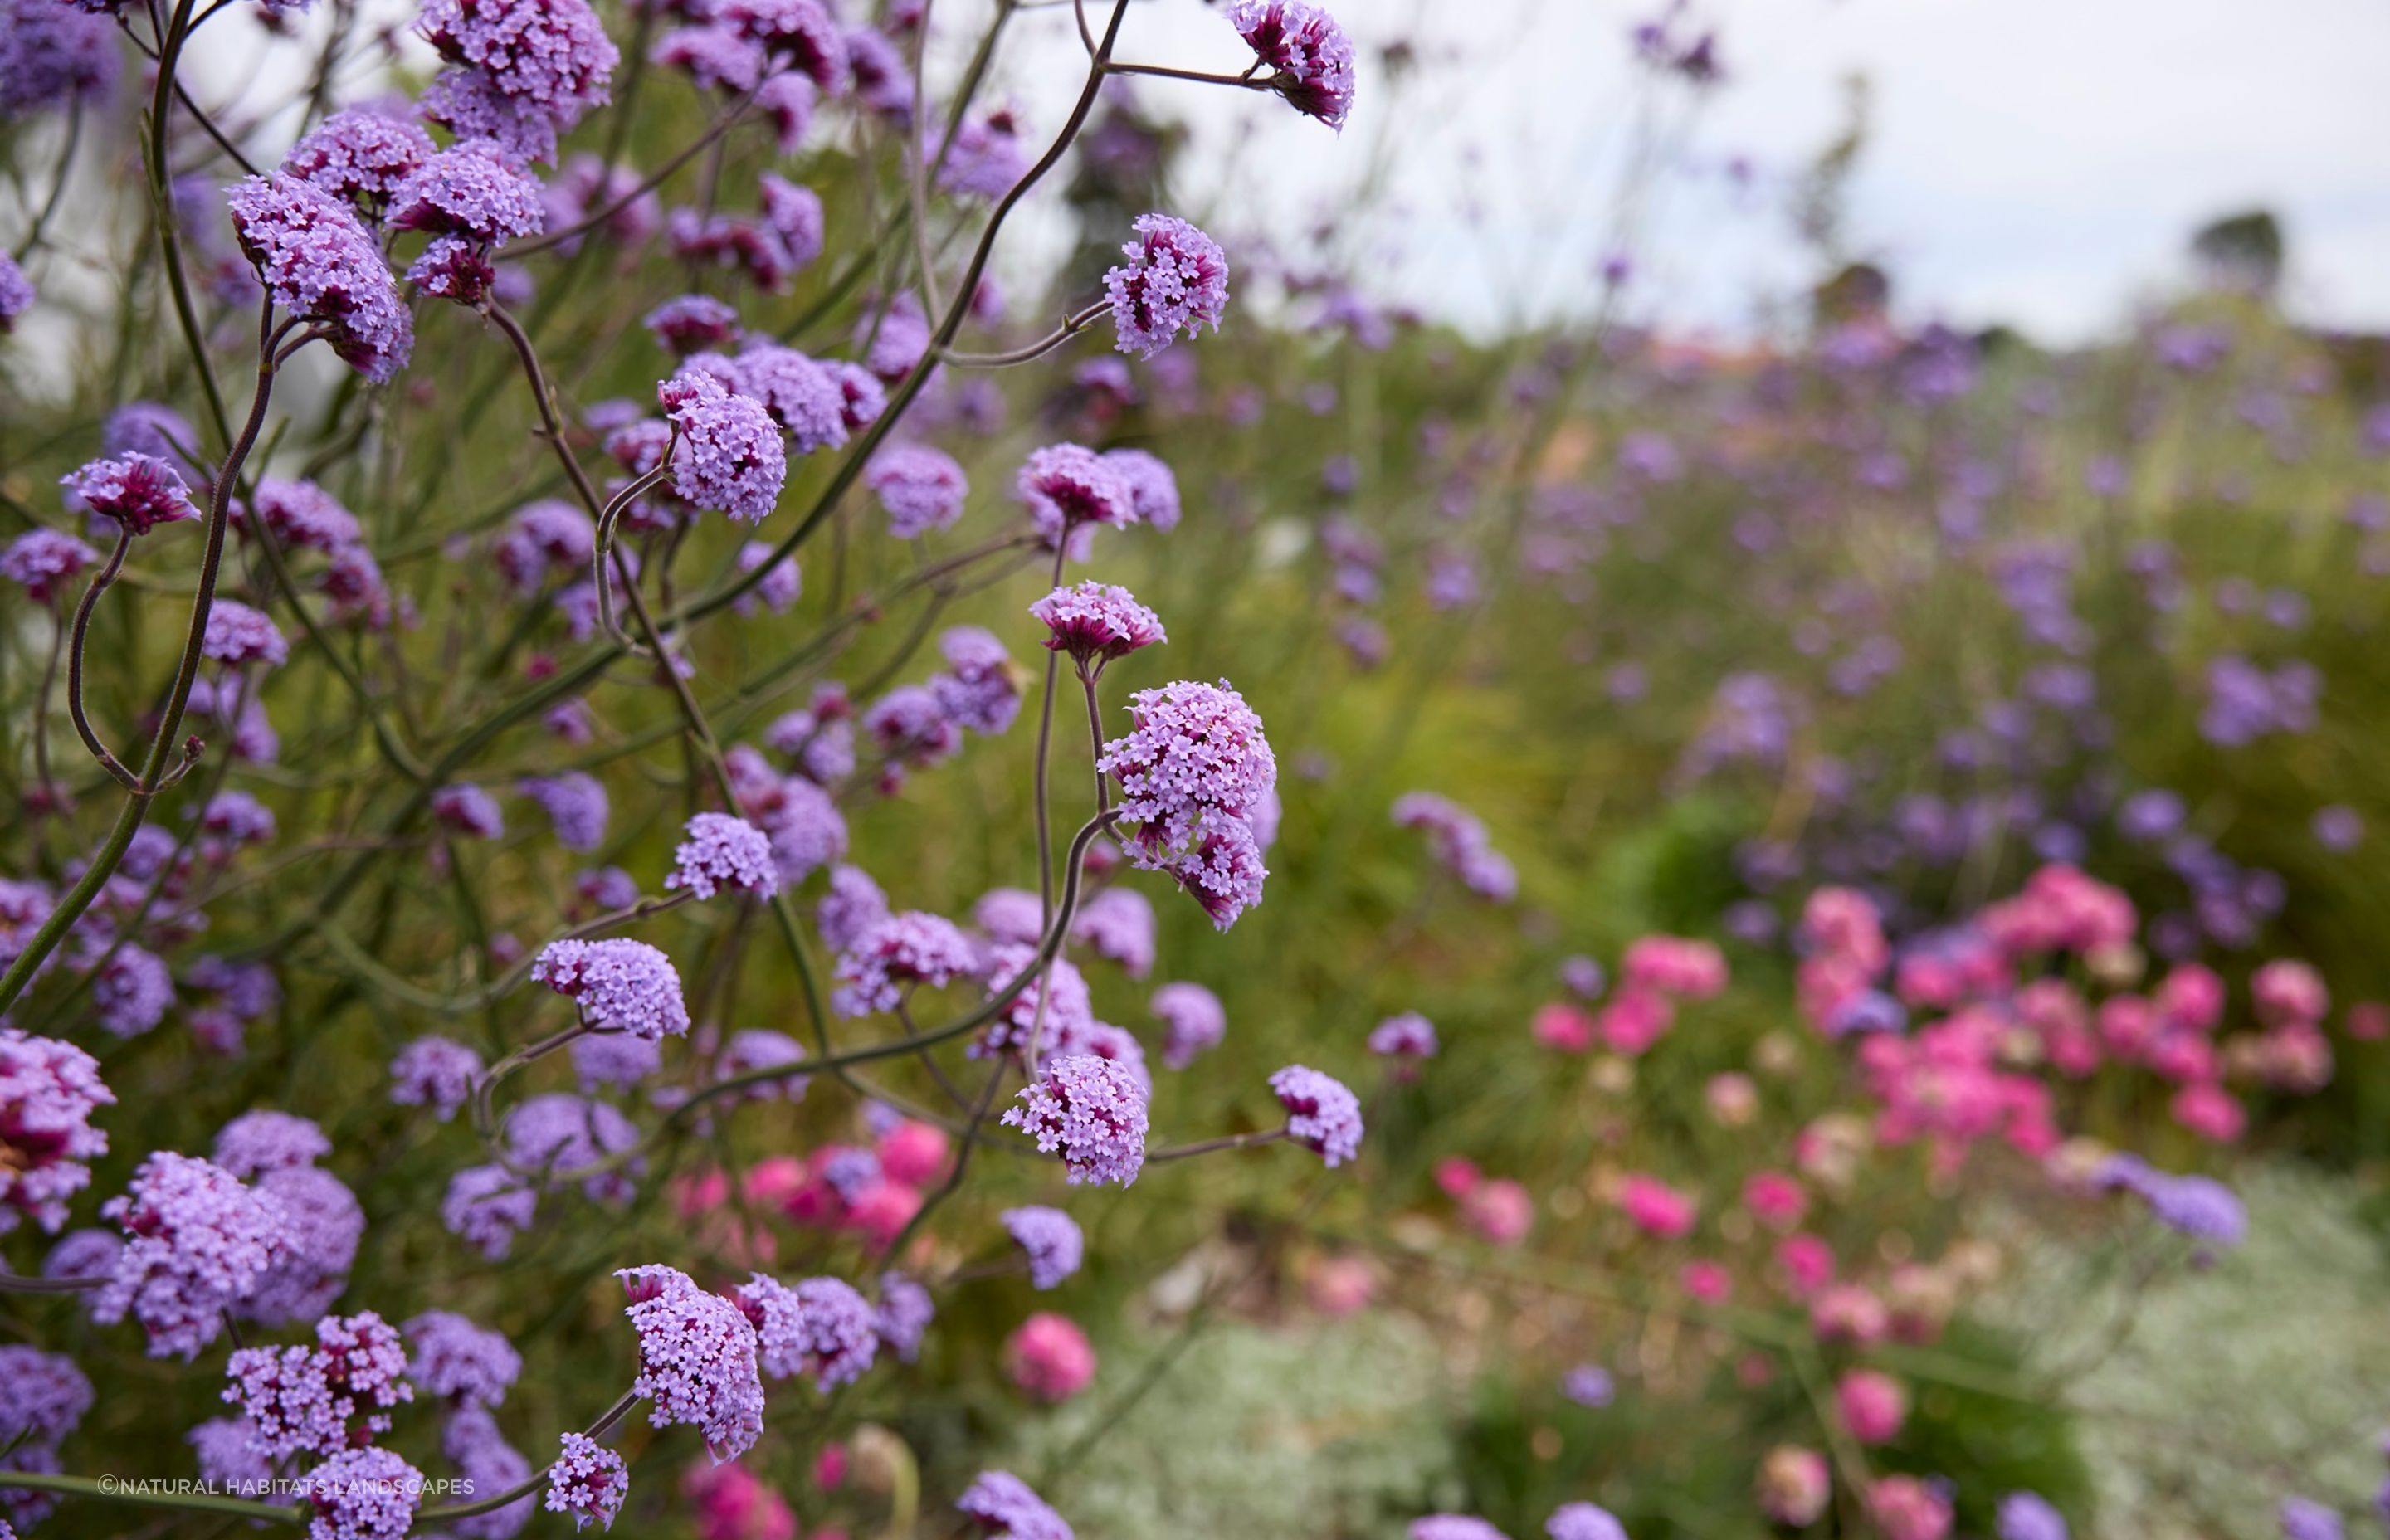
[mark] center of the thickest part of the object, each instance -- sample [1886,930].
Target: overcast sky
[2037,162]
[2033,161]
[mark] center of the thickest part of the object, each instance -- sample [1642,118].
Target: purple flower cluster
[1093,1112]
[1175,279]
[1408,1035]
[1118,924]
[437,1072]
[723,851]
[237,635]
[324,1399]
[697,1359]
[1050,1240]
[467,810]
[920,488]
[522,70]
[692,322]
[1194,1022]
[903,1316]
[138,491]
[258,1142]
[1096,622]
[1460,843]
[1311,58]
[486,1207]
[471,199]
[563,1133]
[730,457]
[2199,1207]
[51,56]
[620,985]
[2246,702]
[821,1326]
[45,562]
[576,803]
[1194,771]
[902,950]
[978,690]
[48,1091]
[459,1362]
[1004,1508]
[360,155]
[196,1242]
[363,1495]
[322,267]
[1583,1521]
[1069,487]
[587,1481]
[1322,1114]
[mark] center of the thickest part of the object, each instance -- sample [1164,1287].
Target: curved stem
[57,189]
[654,179]
[111,1490]
[1209,1147]
[1095,743]
[17,1283]
[1072,326]
[443,1512]
[99,584]
[1247,81]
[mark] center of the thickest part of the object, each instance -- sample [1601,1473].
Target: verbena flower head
[324,1399]
[132,992]
[821,1326]
[472,192]
[323,1224]
[1092,1110]
[1583,1521]
[561,1132]
[904,950]
[978,690]
[1194,769]
[360,155]
[1175,279]
[1193,1022]
[2305,1519]
[525,66]
[48,1092]
[45,562]
[138,491]
[258,1142]
[1322,1114]
[237,635]
[576,803]
[801,395]
[50,56]
[460,1362]
[196,1242]
[1050,1240]
[921,488]
[1153,487]
[1058,988]
[1309,53]
[852,905]
[435,1072]
[322,267]
[486,1207]
[469,809]
[620,985]
[1002,1506]
[903,1316]
[1096,622]
[363,1495]
[1068,486]
[1454,1526]
[1408,1035]
[588,1481]
[730,457]
[723,851]
[1118,924]
[697,1360]
[692,322]
[2030,1516]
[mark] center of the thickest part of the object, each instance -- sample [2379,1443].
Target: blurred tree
[2243,251]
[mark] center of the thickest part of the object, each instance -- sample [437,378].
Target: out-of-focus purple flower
[697,1360]
[1322,1113]
[1192,1022]
[2305,1519]
[196,1242]
[1454,1526]
[45,562]
[852,905]
[2030,1516]
[562,1133]
[324,1224]
[2339,828]
[692,322]
[467,810]
[437,1072]
[800,394]
[486,1207]
[530,66]
[459,1362]
[132,992]
[821,1326]
[1310,57]
[620,985]
[1152,487]
[1118,924]
[237,635]
[903,951]
[1583,1521]
[1408,1035]
[48,1092]
[1003,1508]
[781,584]
[258,1142]
[1092,1110]
[921,488]
[1589,1385]
[322,267]
[576,803]
[587,1481]
[986,157]
[978,690]
[904,1313]
[1068,486]
[1175,279]
[51,55]
[1050,1240]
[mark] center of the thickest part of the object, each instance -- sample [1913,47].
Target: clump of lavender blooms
[1050,1239]
[197,1240]
[1175,279]
[697,1359]
[1092,1111]
[1323,1115]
